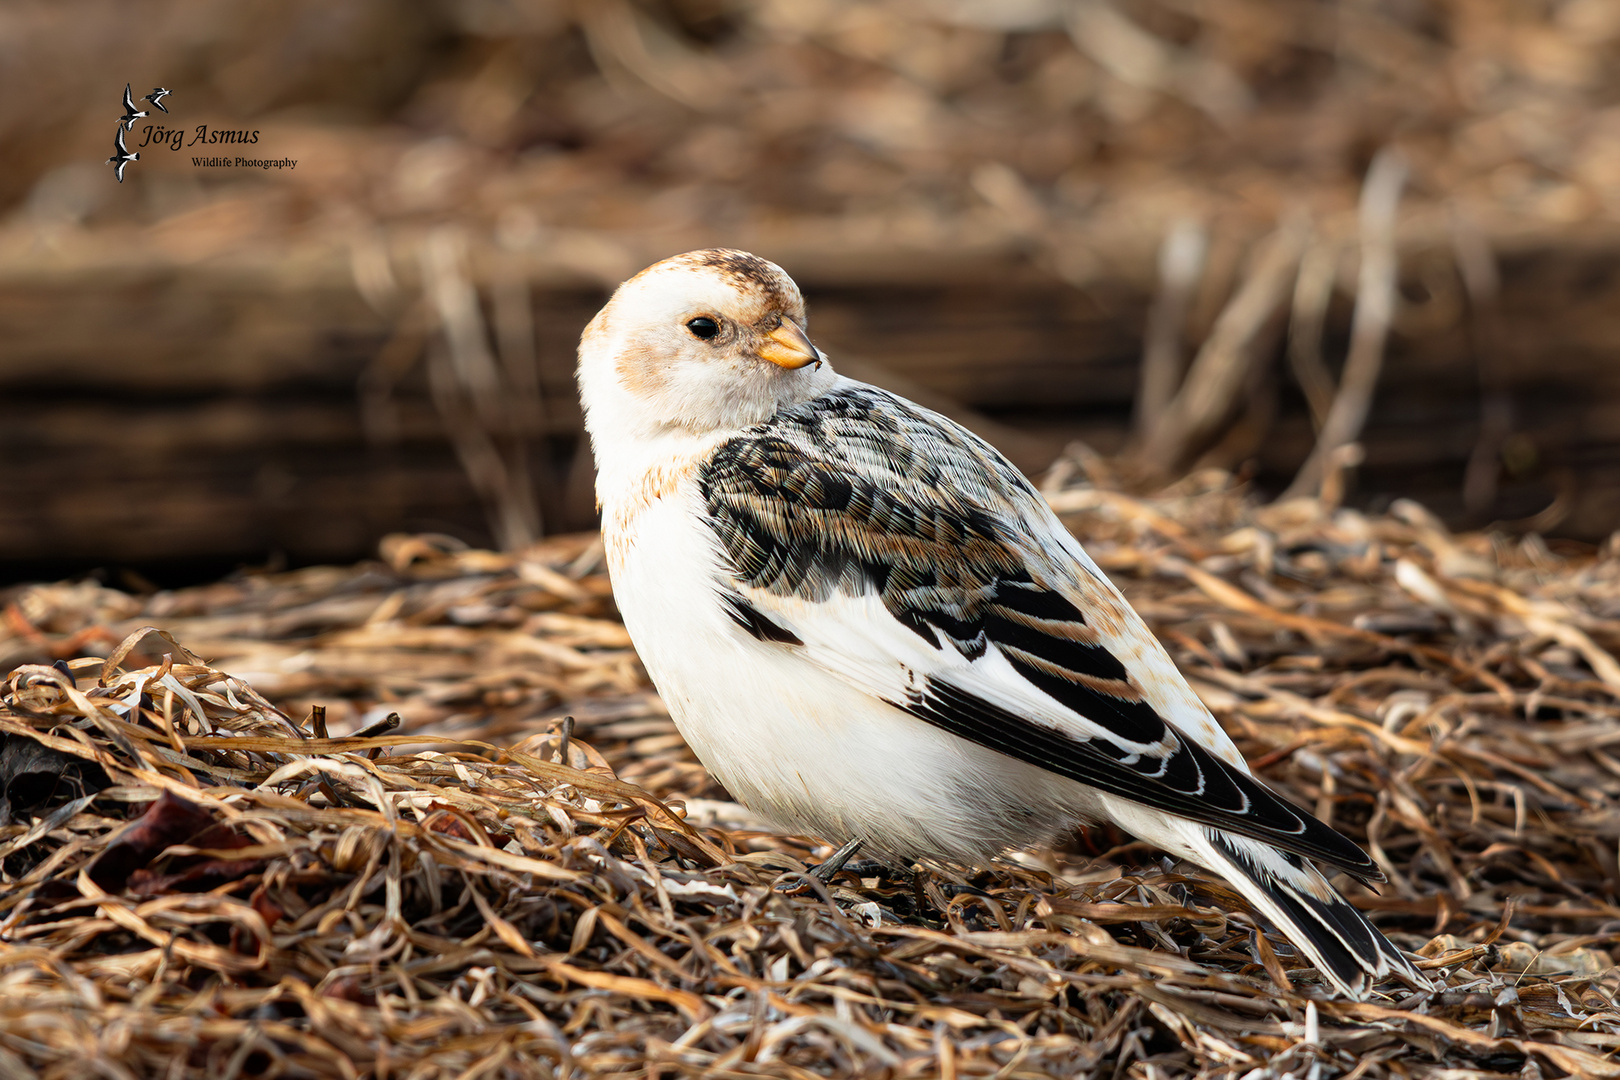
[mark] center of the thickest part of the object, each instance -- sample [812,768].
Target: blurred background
[1362,249]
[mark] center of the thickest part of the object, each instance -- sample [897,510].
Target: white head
[708,341]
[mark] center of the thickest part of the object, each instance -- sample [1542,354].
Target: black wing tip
[1348,949]
[1314,839]
[1338,851]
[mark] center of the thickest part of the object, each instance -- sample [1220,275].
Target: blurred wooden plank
[212,411]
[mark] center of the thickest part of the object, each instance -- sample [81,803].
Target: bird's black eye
[703,327]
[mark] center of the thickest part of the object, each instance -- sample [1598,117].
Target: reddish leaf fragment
[169,820]
[348,988]
[270,911]
[447,824]
[198,873]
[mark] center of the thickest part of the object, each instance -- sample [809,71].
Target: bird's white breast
[795,742]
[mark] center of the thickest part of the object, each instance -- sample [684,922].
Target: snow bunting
[870,627]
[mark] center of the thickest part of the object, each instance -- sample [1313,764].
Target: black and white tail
[1293,894]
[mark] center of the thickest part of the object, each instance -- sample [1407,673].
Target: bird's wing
[902,553]
[118,142]
[129,102]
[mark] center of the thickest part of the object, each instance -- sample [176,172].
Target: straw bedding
[360,839]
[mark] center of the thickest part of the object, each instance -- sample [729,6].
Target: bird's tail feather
[1294,895]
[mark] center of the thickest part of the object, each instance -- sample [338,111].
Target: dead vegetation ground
[204,876]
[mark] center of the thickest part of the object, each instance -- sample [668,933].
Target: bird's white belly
[794,742]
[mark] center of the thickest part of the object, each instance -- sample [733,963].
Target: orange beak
[787,347]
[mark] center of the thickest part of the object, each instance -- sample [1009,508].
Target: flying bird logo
[121,155]
[131,114]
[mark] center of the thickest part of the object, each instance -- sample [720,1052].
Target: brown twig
[1313,290]
[1375,307]
[472,396]
[1477,265]
[1227,357]
[1181,262]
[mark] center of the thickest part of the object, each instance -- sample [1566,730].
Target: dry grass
[208,887]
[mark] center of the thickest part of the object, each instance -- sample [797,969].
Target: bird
[131,114]
[121,155]
[156,98]
[871,628]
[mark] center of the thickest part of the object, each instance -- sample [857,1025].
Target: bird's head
[705,341]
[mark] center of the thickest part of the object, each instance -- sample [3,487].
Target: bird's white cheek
[721,393]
